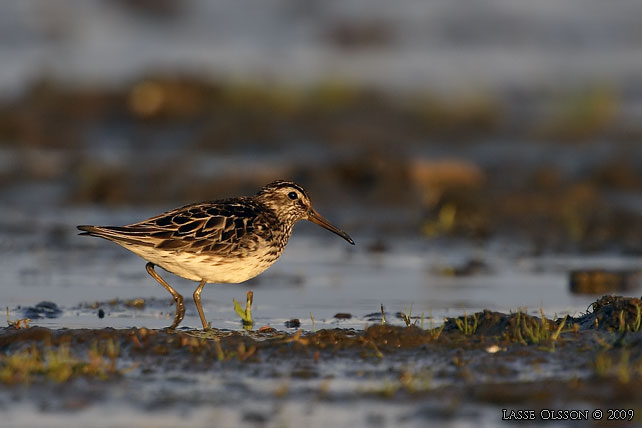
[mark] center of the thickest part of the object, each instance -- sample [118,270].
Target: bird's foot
[180,313]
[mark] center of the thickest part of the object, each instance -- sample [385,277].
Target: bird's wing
[217,226]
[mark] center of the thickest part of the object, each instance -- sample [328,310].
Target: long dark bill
[315,217]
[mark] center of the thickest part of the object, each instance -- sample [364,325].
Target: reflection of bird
[225,241]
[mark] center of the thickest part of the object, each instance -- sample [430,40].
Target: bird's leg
[197,300]
[180,307]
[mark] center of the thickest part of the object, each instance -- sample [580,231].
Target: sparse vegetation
[435,332]
[409,381]
[617,365]
[17,324]
[526,329]
[465,326]
[245,314]
[406,316]
[58,363]
[314,328]
[633,326]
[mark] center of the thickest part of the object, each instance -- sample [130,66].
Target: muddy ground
[487,360]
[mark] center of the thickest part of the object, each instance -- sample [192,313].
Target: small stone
[343,316]
[293,323]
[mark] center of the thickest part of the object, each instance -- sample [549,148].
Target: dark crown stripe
[279,184]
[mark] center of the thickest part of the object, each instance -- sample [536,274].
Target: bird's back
[228,240]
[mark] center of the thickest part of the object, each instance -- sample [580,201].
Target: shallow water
[318,275]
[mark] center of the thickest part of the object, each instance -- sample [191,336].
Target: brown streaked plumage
[224,241]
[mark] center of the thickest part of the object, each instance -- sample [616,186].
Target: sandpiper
[222,241]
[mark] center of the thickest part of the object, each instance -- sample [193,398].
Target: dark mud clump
[42,310]
[614,314]
[342,316]
[293,323]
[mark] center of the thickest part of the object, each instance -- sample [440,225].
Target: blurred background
[470,119]
[483,154]
[444,135]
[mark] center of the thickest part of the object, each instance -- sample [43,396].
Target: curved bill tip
[317,218]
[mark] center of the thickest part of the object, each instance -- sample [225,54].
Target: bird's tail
[120,235]
[88,230]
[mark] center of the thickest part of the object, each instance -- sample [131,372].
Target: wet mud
[482,359]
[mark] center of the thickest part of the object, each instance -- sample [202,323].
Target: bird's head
[291,203]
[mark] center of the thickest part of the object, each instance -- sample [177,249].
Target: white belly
[210,268]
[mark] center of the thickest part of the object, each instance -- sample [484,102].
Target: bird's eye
[292,195]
